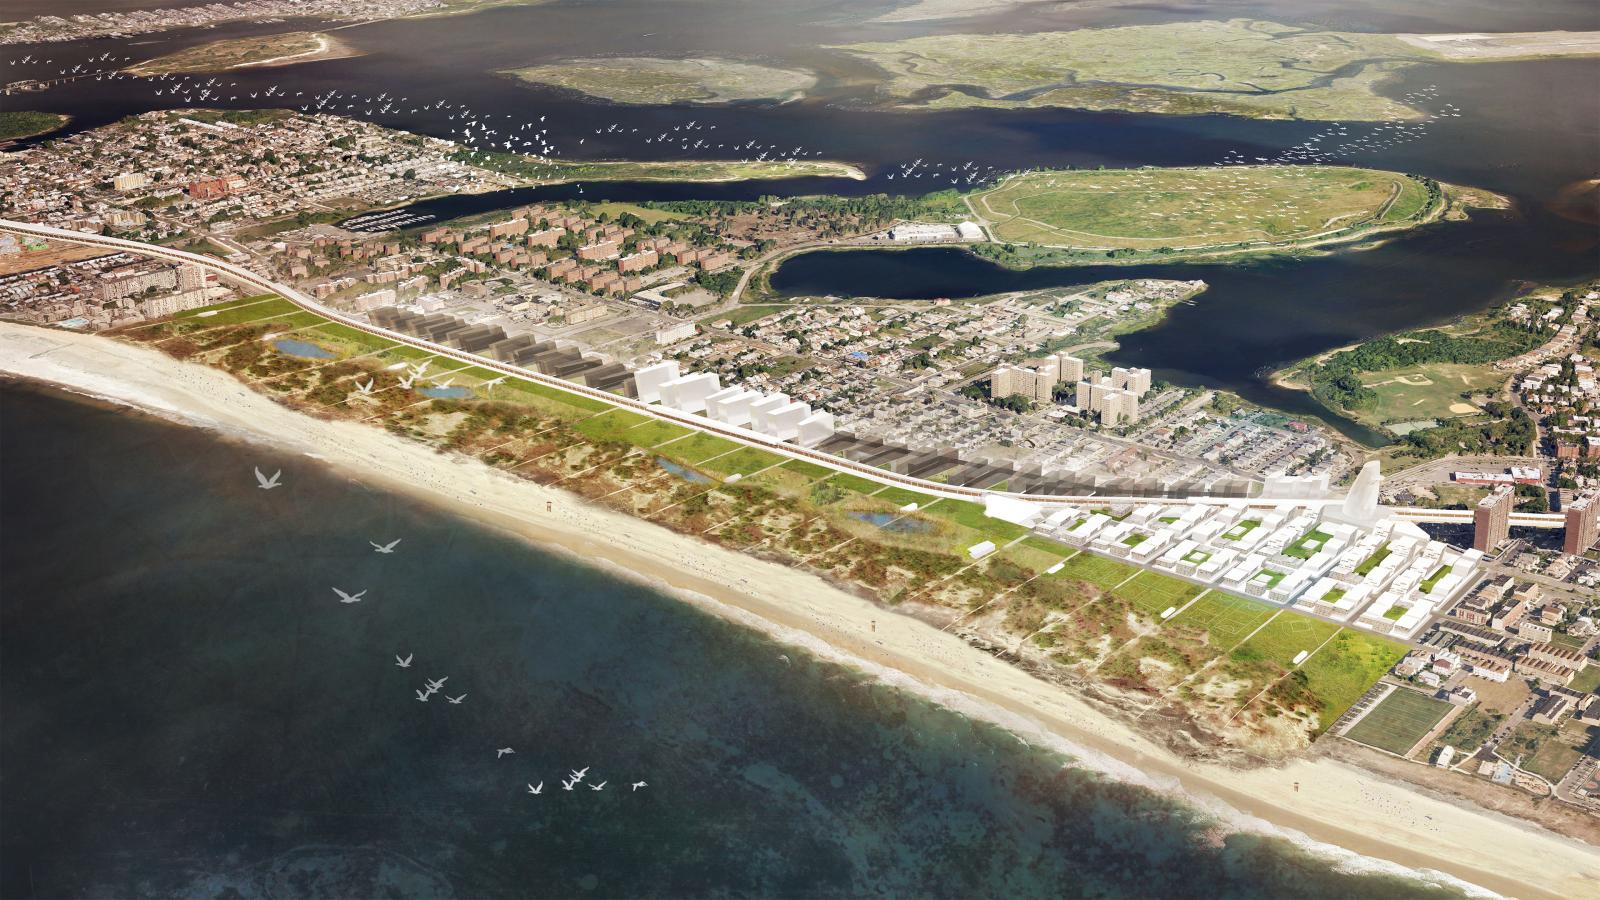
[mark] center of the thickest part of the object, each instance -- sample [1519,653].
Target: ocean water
[186,709]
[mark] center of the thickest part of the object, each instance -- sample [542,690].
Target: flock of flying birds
[431,686]
[482,133]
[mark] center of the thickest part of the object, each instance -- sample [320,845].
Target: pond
[682,472]
[302,349]
[447,393]
[894,523]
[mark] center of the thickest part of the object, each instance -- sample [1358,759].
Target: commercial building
[1583,523]
[1491,521]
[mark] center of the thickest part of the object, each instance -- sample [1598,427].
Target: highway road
[253,280]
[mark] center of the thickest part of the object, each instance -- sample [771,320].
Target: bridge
[241,275]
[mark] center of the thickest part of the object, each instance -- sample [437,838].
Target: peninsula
[261,51]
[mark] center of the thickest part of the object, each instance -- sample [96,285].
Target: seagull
[438,684]
[639,784]
[536,790]
[349,598]
[423,696]
[598,787]
[385,548]
[455,700]
[266,483]
[403,663]
[577,774]
[502,752]
[366,388]
[567,785]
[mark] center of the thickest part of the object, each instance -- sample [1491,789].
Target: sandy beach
[1316,801]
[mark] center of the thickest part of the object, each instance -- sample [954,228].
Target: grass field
[1345,667]
[1431,391]
[744,461]
[1399,721]
[1227,619]
[1288,634]
[1153,592]
[1548,750]
[1107,573]
[1186,208]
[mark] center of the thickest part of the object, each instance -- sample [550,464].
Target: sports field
[1190,208]
[1399,721]
[1153,593]
[1427,392]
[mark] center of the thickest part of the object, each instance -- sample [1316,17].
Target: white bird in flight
[403,663]
[455,700]
[385,548]
[599,787]
[502,752]
[265,483]
[567,785]
[423,696]
[639,784]
[366,388]
[349,598]
[536,790]
[436,684]
[577,774]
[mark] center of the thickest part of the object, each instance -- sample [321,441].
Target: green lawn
[1135,539]
[1371,562]
[247,311]
[900,497]
[1269,577]
[1196,557]
[698,447]
[1428,583]
[612,426]
[744,461]
[1399,721]
[971,515]
[1241,529]
[1301,548]
[217,307]
[808,469]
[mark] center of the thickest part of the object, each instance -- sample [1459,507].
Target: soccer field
[1146,209]
[1399,721]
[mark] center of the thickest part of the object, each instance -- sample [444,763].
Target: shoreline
[1359,812]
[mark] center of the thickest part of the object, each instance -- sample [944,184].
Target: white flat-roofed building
[814,429]
[783,423]
[647,381]
[689,393]
[732,405]
[766,406]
